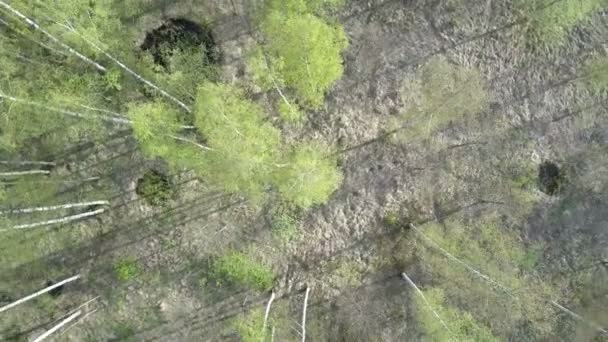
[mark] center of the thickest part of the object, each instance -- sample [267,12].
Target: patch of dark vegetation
[180,34]
[154,187]
[550,178]
[56,292]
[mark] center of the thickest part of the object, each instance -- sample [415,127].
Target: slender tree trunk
[128,70]
[26,162]
[34,25]
[191,142]
[57,221]
[507,290]
[78,321]
[272,334]
[266,315]
[54,207]
[304,314]
[24,173]
[66,112]
[90,179]
[426,302]
[58,326]
[36,294]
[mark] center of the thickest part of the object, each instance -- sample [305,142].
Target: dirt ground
[345,252]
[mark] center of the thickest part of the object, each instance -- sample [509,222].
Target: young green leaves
[242,152]
[309,50]
[245,147]
[310,175]
[549,22]
[438,93]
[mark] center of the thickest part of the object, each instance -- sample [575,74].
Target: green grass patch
[126,269]
[239,269]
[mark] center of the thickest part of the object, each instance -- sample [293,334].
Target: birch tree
[304,50]
[511,296]
[439,92]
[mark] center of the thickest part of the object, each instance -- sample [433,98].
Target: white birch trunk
[58,326]
[66,112]
[26,162]
[41,292]
[128,70]
[505,288]
[51,37]
[24,173]
[304,314]
[57,221]
[191,142]
[90,179]
[266,315]
[54,207]
[426,302]
[272,335]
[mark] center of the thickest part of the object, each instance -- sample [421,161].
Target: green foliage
[239,269]
[126,269]
[548,22]
[310,176]
[304,6]
[304,51]
[489,248]
[154,124]
[392,219]
[154,188]
[250,327]
[438,93]
[463,327]
[347,273]
[595,74]
[285,221]
[245,148]
[290,112]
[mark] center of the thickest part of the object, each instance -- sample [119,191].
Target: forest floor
[344,250]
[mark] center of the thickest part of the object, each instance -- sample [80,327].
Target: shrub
[249,327]
[284,221]
[462,325]
[154,187]
[239,269]
[596,74]
[548,21]
[126,269]
[305,52]
[310,176]
[438,93]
